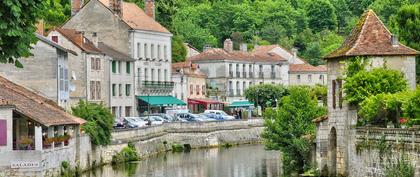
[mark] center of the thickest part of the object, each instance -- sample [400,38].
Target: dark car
[186,116]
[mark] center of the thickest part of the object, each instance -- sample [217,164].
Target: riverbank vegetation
[99,121]
[127,154]
[289,128]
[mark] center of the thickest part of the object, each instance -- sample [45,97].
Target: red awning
[202,101]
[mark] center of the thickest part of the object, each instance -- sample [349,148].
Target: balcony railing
[230,73]
[244,74]
[261,75]
[238,74]
[158,84]
[251,75]
[273,75]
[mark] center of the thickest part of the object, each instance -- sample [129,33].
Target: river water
[240,161]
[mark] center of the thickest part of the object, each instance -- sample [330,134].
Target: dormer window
[54,38]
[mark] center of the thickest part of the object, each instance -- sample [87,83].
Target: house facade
[306,74]
[132,31]
[336,133]
[232,72]
[47,71]
[121,82]
[87,69]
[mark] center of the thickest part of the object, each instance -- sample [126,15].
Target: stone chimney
[206,47]
[228,45]
[95,39]
[294,52]
[243,47]
[149,8]
[394,40]
[76,5]
[116,6]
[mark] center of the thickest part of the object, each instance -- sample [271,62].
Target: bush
[402,168]
[411,108]
[99,121]
[177,148]
[127,154]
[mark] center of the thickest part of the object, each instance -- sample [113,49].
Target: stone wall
[373,149]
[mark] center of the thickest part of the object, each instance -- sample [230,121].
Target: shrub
[402,168]
[412,108]
[127,154]
[177,148]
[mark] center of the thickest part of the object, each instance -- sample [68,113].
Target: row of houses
[114,53]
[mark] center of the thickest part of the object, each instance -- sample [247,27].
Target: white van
[220,112]
[172,112]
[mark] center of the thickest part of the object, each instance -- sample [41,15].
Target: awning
[161,100]
[202,101]
[241,103]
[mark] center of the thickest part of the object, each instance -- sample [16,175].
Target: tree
[343,12]
[179,52]
[99,121]
[58,11]
[357,7]
[17,27]
[290,128]
[321,15]
[265,95]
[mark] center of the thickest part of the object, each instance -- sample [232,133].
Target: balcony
[158,85]
[244,74]
[238,74]
[230,73]
[238,92]
[251,75]
[231,93]
[261,75]
[273,75]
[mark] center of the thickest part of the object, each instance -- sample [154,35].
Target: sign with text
[24,164]
[3,132]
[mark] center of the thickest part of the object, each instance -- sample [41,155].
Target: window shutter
[333,93]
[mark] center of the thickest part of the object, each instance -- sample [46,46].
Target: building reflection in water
[242,161]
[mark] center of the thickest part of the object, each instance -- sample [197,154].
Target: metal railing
[261,75]
[158,84]
[244,74]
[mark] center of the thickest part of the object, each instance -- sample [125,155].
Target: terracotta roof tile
[185,64]
[34,106]
[136,18]
[189,68]
[307,68]
[77,38]
[370,37]
[261,49]
[221,54]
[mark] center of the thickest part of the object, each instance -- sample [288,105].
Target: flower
[403,120]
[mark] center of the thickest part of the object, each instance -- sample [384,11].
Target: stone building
[36,134]
[87,69]
[128,29]
[231,72]
[290,55]
[306,74]
[46,71]
[335,136]
[121,82]
[191,50]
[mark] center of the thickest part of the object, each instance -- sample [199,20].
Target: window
[158,52]
[128,67]
[92,63]
[340,93]
[98,64]
[261,68]
[92,90]
[127,89]
[54,38]
[272,68]
[166,75]
[159,77]
[191,89]
[250,84]
[114,66]
[334,93]
[165,55]
[66,80]
[145,74]
[250,68]
[152,74]
[197,89]
[119,67]
[298,78]
[120,89]
[98,90]
[145,51]
[128,111]
[310,78]
[138,75]
[243,86]
[138,50]
[114,89]
[203,90]
[152,51]
[114,110]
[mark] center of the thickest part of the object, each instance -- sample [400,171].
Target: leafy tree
[412,107]
[179,52]
[343,12]
[289,128]
[57,12]
[385,8]
[265,95]
[357,7]
[321,15]
[369,83]
[17,27]
[99,121]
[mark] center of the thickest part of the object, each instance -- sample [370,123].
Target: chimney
[294,52]
[228,45]
[206,47]
[40,27]
[95,39]
[76,5]
[394,40]
[116,6]
[149,8]
[243,47]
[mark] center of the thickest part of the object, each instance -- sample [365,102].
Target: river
[240,161]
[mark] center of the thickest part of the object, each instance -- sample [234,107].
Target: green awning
[161,100]
[242,103]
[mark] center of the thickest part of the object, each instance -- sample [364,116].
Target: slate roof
[77,38]
[221,54]
[34,106]
[307,68]
[136,18]
[115,54]
[370,37]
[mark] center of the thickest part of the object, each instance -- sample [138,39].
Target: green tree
[265,95]
[17,27]
[321,14]
[290,128]
[56,13]
[99,121]
[179,52]
[386,8]
[357,7]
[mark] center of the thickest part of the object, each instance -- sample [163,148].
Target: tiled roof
[52,43]
[370,37]
[116,55]
[261,49]
[136,18]
[185,64]
[77,38]
[307,68]
[221,54]
[189,68]
[34,106]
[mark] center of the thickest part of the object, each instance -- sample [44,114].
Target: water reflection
[243,161]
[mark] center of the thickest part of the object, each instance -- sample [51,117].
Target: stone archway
[332,148]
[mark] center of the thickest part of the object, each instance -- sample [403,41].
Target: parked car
[118,123]
[154,120]
[186,116]
[133,122]
[173,112]
[203,118]
[222,113]
[165,117]
[213,116]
